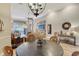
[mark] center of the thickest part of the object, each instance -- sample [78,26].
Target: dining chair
[8,51]
[13,41]
[31,37]
[76,53]
[54,39]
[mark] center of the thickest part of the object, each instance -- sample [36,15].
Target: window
[20,27]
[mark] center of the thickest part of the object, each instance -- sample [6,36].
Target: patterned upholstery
[76,53]
[53,38]
[31,37]
[8,51]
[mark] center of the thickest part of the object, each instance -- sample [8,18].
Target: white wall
[69,13]
[6,18]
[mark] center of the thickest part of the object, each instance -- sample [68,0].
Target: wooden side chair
[8,51]
[76,53]
[54,39]
[31,37]
[13,41]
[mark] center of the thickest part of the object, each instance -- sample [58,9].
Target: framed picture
[49,29]
[1,25]
[41,28]
[41,25]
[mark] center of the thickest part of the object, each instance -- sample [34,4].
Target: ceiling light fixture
[37,8]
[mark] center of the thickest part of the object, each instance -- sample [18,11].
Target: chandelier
[37,8]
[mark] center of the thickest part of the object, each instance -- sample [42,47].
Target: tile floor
[69,49]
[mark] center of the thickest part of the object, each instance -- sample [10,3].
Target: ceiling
[20,10]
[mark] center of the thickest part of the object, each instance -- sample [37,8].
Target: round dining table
[48,48]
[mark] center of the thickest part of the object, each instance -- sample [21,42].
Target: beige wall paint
[5,16]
